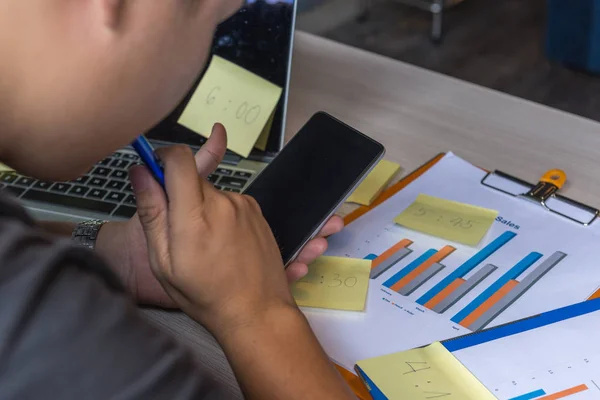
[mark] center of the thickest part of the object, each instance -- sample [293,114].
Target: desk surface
[416,114]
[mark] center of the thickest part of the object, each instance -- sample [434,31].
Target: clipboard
[546,189]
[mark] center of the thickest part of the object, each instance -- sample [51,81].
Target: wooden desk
[417,114]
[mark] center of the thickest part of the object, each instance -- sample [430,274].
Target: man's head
[81,78]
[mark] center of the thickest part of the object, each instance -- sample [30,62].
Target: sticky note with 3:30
[452,220]
[335,283]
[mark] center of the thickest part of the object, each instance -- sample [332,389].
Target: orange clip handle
[557,177]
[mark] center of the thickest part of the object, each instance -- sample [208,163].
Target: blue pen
[146,153]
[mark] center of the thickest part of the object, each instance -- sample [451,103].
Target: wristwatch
[86,233]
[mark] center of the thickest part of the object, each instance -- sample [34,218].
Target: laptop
[258,38]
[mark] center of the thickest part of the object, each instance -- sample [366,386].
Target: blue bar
[513,273]
[530,396]
[468,266]
[524,325]
[371,257]
[410,267]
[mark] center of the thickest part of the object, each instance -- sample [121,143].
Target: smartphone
[310,178]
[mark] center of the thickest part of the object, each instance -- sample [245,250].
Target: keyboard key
[8,177]
[69,201]
[15,191]
[24,181]
[115,196]
[79,190]
[97,193]
[227,189]
[98,182]
[218,187]
[125,212]
[82,180]
[101,171]
[120,163]
[128,188]
[224,171]
[243,174]
[42,185]
[61,187]
[105,162]
[130,200]
[132,157]
[115,185]
[119,174]
[118,154]
[232,182]
[212,178]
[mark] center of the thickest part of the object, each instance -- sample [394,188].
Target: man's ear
[112,12]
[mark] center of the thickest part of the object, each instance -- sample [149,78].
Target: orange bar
[596,295]
[489,303]
[437,257]
[438,298]
[389,252]
[565,393]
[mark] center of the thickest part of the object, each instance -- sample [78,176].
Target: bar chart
[505,291]
[541,394]
[468,277]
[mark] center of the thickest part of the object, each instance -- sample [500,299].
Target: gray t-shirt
[68,331]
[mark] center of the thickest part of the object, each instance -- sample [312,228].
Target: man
[76,72]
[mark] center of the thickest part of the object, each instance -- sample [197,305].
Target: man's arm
[276,356]
[110,245]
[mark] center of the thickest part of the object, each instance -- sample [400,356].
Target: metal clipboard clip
[544,194]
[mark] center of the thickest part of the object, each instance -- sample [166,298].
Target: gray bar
[517,291]
[390,262]
[421,279]
[463,289]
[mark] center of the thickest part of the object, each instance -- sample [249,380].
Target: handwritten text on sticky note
[447,219]
[374,183]
[334,282]
[425,373]
[242,101]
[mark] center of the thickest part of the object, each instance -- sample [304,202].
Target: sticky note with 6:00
[452,220]
[240,100]
[334,282]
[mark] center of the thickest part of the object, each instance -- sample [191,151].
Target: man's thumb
[152,210]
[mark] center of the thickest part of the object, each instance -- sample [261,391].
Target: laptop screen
[258,38]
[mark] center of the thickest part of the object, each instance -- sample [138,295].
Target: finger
[296,271]
[211,154]
[333,226]
[186,192]
[313,249]
[152,212]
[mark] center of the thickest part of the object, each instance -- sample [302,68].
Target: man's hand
[133,265]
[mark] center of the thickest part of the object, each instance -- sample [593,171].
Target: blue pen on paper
[153,163]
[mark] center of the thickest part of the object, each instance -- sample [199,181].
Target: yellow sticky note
[261,143]
[424,373]
[334,282]
[4,168]
[447,219]
[242,101]
[374,183]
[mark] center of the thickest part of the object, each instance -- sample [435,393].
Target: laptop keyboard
[105,189]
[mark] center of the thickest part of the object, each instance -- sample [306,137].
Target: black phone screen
[310,177]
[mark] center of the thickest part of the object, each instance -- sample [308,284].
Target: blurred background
[546,51]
